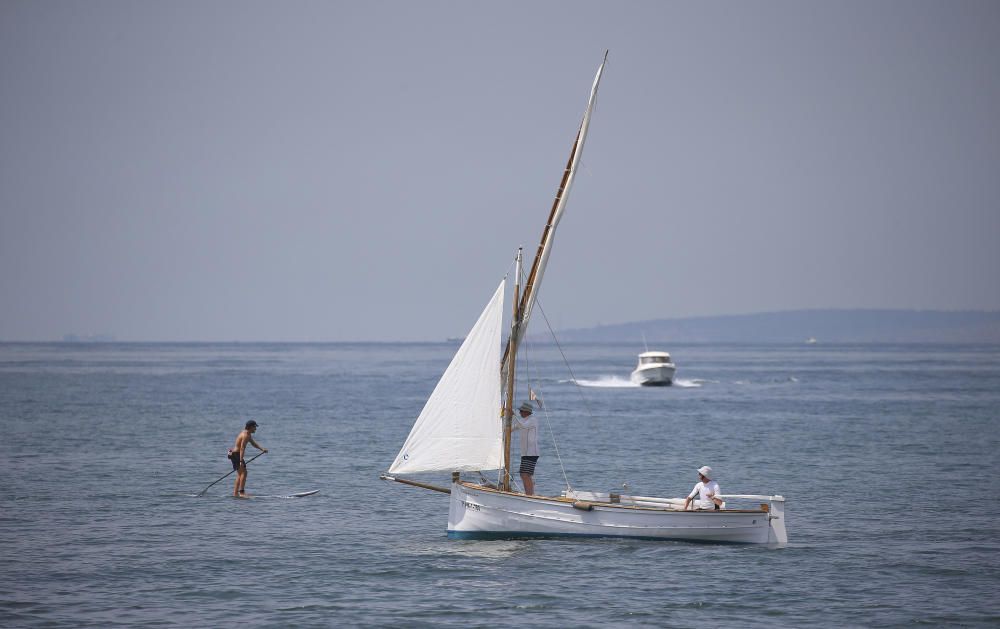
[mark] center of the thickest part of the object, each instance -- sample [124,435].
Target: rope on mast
[548,423]
[527,368]
[579,389]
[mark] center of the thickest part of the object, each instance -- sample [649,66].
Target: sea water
[887,456]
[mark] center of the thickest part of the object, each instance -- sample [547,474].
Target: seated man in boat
[528,426]
[706,490]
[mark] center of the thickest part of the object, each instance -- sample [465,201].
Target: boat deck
[611,503]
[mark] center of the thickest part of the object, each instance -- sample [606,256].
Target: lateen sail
[459,429]
[558,205]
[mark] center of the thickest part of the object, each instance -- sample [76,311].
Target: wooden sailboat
[460,430]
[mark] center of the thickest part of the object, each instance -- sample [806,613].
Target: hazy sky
[310,171]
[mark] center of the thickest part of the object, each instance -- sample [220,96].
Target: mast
[508,409]
[534,281]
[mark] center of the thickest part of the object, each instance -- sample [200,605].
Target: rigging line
[548,423]
[510,478]
[506,273]
[509,267]
[552,435]
[579,389]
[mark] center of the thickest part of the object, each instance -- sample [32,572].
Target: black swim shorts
[528,465]
[234,458]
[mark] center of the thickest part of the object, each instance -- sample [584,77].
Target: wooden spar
[508,409]
[528,296]
[529,286]
[443,490]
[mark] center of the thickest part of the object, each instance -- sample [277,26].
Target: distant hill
[796,326]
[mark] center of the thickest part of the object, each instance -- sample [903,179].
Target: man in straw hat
[528,426]
[706,490]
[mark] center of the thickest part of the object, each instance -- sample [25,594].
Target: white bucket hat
[705,471]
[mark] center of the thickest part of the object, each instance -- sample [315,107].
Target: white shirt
[529,434]
[705,491]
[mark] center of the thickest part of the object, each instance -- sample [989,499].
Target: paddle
[202,492]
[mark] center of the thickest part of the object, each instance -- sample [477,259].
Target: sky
[365,171]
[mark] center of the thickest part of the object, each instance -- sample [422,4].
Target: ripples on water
[887,456]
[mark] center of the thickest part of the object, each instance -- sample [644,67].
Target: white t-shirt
[529,434]
[705,491]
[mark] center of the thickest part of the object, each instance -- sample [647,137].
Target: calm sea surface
[888,456]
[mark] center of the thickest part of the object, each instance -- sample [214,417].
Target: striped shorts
[528,465]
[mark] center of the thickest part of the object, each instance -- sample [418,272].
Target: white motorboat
[654,369]
[460,431]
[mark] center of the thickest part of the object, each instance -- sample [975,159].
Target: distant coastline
[89,338]
[790,326]
[799,326]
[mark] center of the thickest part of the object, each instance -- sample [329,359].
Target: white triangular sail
[459,429]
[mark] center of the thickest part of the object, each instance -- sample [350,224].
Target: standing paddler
[236,457]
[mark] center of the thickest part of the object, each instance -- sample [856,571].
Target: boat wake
[688,384]
[607,382]
[617,382]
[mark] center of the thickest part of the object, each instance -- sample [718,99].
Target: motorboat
[655,369]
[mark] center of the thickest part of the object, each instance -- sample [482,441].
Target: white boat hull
[478,512]
[654,375]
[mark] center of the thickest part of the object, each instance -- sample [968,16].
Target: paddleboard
[301,494]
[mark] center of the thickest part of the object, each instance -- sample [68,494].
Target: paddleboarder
[236,457]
